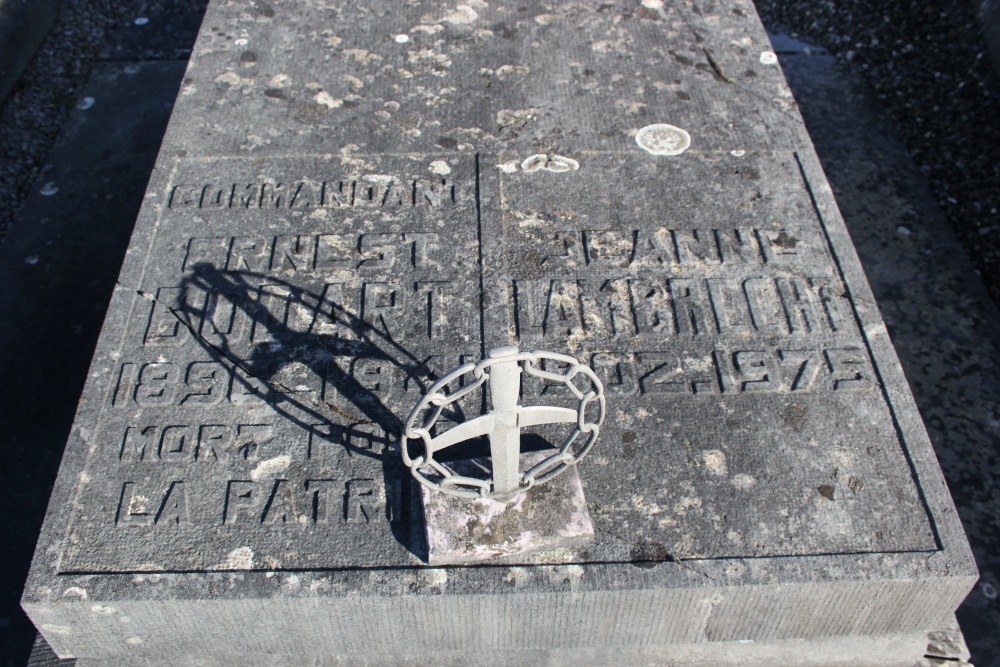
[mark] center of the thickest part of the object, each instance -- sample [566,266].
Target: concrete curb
[23,26]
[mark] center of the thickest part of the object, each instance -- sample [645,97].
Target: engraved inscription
[165,384]
[661,248]
[186,443]
[267,313]
[301,501]
[258,394]
[364,254]
[735,371]
[677,307]
[152,504]
[371,190]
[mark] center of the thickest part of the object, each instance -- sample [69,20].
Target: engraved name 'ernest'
[370,190]
[373,253]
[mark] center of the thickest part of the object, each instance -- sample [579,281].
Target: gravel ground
[30,117]
[928,64]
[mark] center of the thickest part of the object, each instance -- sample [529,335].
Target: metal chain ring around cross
[501,369]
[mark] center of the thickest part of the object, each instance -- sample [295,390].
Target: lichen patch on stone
[240,558]
[663,139]
[440,167]
[462,14]
[270,467]
[553,163]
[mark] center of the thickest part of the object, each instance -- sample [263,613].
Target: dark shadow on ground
[57,270]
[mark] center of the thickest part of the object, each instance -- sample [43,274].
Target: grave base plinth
[543,518]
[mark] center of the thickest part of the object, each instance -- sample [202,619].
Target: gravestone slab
[352,201]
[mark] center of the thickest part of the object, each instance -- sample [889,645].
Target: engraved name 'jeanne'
[371,190]
[662,247]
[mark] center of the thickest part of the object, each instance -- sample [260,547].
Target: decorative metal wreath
[501,369]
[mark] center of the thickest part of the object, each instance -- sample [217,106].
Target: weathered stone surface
[351,201]
[536,521]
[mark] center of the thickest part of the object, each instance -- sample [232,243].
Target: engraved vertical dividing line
[871,354]
[482,279]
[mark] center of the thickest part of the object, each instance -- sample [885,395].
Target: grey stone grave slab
[353,200]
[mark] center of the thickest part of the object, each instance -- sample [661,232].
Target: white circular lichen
[663,139]
[768,57]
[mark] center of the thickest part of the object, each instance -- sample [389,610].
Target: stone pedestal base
[549,516]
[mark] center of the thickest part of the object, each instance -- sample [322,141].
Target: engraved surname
[259,315]
[682,307]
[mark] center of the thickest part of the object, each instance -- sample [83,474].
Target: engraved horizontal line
[676,561]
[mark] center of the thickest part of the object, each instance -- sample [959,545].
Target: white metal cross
[503,424]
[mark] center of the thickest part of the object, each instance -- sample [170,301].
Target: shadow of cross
[503,425]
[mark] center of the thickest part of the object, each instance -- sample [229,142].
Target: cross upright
[504,422]
[508,417]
